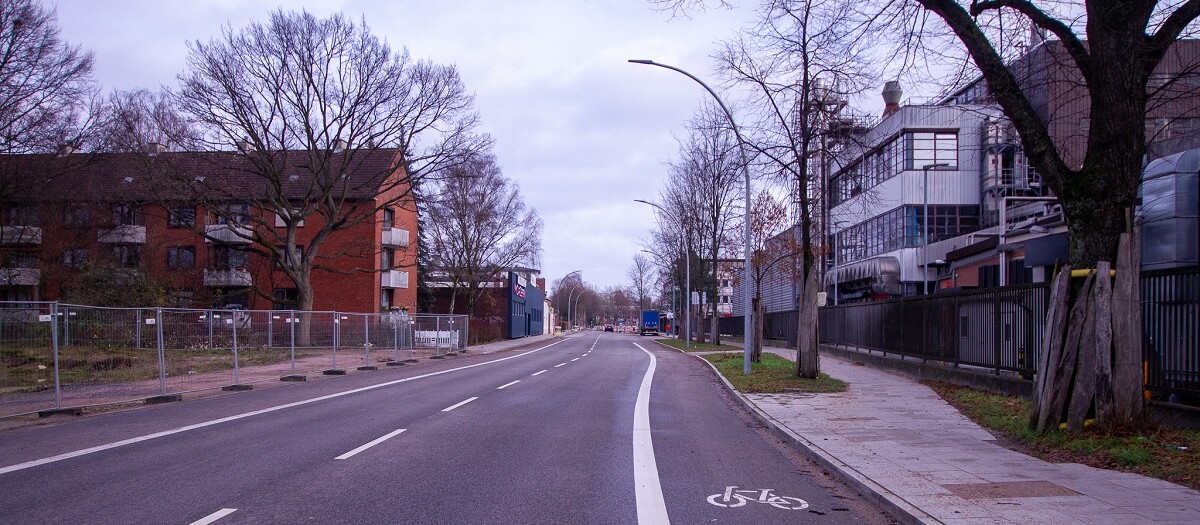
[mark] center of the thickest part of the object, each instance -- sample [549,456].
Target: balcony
[228,278]
[20,276]
[395,237]
[124,234]
[393,279]
[20,235]
[227,234]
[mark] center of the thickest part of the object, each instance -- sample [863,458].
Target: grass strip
[698,347]
[773,375]
[1167,453]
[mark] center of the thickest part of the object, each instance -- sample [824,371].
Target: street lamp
[746,249]
[569,295]
[576,310]
[687,258]
[925,223]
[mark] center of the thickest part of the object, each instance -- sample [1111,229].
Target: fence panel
[26,358]
[1171,317]
[111,353]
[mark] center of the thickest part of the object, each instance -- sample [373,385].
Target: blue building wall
[525,307]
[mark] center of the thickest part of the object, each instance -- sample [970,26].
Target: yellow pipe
[1077,274]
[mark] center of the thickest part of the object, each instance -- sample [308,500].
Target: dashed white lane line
[651,507]
[540,373]
[460,403]
[372,443]
[502,387]
[156,435]
[560,364]
[576,359]
[214,517]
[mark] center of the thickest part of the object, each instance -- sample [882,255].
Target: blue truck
[649,324]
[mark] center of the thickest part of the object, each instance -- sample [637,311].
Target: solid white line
[214,517]
[502,387]
[147,437]
[560,364]
[539,373]
[372,443]
[460,403]
[651,507]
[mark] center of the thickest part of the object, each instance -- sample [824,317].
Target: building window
[181,257]
[389,218]
[297,254]
[22,215]
[20,260]
[75,257]
[285,298]
[923,148]
[128,215]
[233,214]
[385,299]
[387,259]
[127,255]
[76,218]
[227,257]
[281,221]
[182,217]
[181,298]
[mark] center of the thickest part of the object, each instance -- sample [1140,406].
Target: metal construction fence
[1001,329]
[55,356]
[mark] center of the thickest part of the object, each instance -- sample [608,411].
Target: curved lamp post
[687,258]
[569,295]
[747,277]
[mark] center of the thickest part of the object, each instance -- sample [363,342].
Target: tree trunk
[755,338]
[304,303]
[808,363]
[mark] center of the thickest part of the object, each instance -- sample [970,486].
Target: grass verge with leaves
[773,375]
[698,347]
[1171,454]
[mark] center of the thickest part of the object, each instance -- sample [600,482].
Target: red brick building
[205,226]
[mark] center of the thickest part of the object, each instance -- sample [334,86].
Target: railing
[56,356]
[1001,329]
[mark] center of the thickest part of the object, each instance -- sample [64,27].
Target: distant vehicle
[608,328]
[649,324]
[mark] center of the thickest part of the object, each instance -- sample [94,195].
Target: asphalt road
[549,434]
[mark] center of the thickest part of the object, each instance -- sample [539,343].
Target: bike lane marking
[458,404]
[204,424]
[372,443]
[211,518]
[734,497]
[651,506]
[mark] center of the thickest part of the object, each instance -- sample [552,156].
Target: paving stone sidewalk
[930,464]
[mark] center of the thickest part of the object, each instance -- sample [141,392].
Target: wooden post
[1051,351]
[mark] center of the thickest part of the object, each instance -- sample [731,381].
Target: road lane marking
[460,403]
[214,517]
[576,359]
[560,364]
[651,507]
[502,387]
[156,435]
[539,373]
[372,443]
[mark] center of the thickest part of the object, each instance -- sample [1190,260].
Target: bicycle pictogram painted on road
[735,497]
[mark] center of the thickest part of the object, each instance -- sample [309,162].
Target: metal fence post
[234,322]
[162,355]
[209,316]
[270,330]
[137,327]
[337,336]
[293,341]
[54,348]
[466,332]
[66,328]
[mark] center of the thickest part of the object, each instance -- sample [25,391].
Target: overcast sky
[581,130]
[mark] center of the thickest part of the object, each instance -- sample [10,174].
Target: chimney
[891,97]
[66,149]
[244,145]
[154,148]
[339,146]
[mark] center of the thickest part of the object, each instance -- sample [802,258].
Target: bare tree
[140,120]
[479,225]
[641,278]
[704,185]
[307,102]
[768,256]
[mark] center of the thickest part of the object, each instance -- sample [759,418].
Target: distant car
[608,328]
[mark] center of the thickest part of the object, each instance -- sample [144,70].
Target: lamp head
[642,61]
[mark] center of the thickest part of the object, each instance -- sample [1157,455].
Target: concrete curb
[889,501]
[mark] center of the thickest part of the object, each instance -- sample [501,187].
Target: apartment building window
[127,255]
[75,257]
[76,217]
[181,298]
[181,257]
[285,298]
[128,215]
[389,218]
[20,260]
[385,299]
[233,214]
[22,215]
[387,259]
[181,217]
[226,257]
[297,254]
[923,148]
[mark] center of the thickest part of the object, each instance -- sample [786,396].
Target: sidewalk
[893,437]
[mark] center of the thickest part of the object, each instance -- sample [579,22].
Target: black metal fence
[1001,329]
